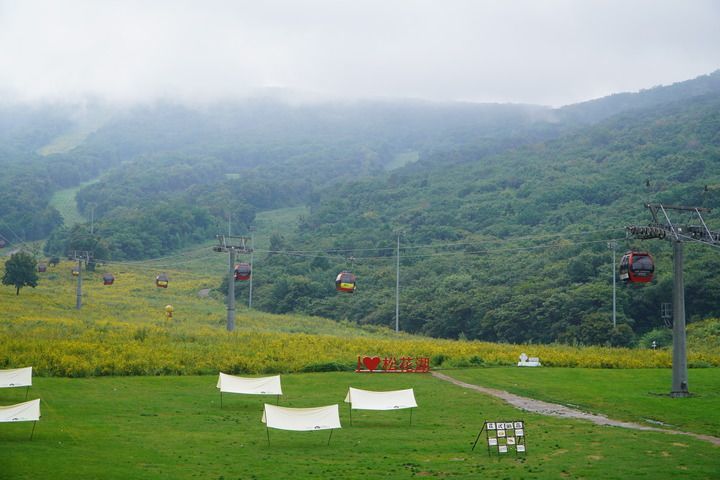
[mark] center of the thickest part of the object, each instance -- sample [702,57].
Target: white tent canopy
[302,419]
[369,400]
[17,377]
[22,412]
[251,386]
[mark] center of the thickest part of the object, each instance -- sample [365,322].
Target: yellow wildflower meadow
[122,330]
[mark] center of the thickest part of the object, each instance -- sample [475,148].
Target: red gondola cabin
[242,271]
[162,280]
[108,279]
[637,267]
[345,282]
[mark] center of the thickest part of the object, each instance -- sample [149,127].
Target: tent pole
[331,430]
[33,429]
[27,390]
[350,414]
[268,435]
[220,398]
[277,400]
[411,416]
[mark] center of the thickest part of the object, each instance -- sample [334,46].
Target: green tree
[20,271]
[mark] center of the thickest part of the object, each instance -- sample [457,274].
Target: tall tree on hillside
[20,271]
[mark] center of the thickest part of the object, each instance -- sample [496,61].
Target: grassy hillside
[64,202]
[282,222]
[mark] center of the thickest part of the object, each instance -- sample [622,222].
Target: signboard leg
[478,437]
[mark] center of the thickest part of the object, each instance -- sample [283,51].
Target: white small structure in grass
[301,419]
[249,386]
[526,361]
[371,400]
[17,377]
[22,412]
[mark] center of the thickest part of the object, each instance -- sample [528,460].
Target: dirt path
[555,410]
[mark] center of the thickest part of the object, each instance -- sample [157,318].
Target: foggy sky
[551,52]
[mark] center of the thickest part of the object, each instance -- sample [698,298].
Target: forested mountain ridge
[266,141]
[504,219]
[599,109]
[263,141]
[513,247]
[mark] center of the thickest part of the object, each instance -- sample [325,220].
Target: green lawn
[637,395]
[174,428]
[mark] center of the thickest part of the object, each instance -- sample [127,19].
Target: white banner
[301,419]
[252,386]
[22,412]
[18,377]
[369,400]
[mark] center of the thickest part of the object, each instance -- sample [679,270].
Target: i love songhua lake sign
[392,365]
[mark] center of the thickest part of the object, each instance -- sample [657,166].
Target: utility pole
[79,257]
[663,228]
[78,289]
[231,245]
[397,285]
[252,250]
[92,218]
[613,245]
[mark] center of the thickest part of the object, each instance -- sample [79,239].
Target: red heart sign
[371,363]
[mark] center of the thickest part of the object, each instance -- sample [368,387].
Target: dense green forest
[504,220]
[521,238]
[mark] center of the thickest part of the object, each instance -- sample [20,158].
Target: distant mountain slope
[520,237]
[253,133]
[596,110]
[603,166]
[24,129]
[263,151]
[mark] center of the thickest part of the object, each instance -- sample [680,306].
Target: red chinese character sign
[392,365]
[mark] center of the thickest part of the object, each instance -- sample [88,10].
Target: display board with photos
[504,437]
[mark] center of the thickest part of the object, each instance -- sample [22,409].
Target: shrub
[661,336]
[327,367]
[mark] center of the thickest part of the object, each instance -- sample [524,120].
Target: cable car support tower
[663,228]
[232,245]
[80,257]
